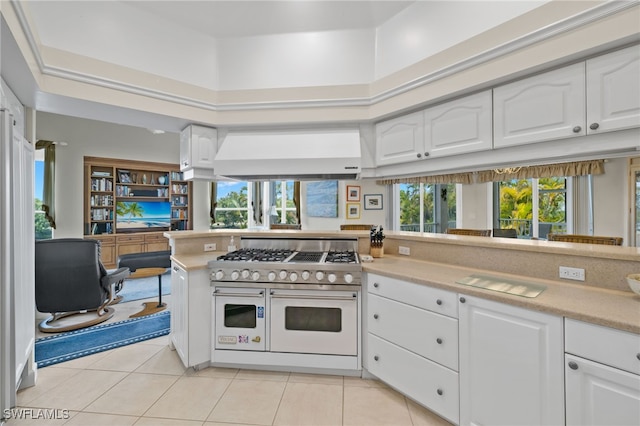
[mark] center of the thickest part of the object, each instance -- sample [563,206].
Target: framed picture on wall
[353,210]
[322,198]
[353,193]
[373,201]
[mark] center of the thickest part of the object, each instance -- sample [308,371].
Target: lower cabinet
[190,315]
[412,342]
[511,365]
[602,375]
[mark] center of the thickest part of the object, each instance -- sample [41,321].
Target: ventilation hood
[290,155]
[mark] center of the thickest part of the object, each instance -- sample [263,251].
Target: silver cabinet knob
[573,365]
[439,341]
[577,129]
[426,154]
[594,126]
[419,155]
[438,302]
[375,316]
[440,391]
[376,357]
[462,300]
[376,285]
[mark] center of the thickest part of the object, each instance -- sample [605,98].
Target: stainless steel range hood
[290,155]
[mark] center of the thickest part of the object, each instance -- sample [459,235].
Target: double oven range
[283,302]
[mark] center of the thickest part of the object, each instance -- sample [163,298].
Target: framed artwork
[373,202]
[353,193]
[322,198]
[353,210]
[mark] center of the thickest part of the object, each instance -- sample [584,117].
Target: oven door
[240,318]
[314,322]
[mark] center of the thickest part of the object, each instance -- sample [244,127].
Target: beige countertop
[611,308]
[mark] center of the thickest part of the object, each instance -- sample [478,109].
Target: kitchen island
[471,354]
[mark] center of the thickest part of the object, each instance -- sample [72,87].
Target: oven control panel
[290,276]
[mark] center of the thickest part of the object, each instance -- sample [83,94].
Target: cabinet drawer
[154,238]
[425,297]
[428,334]
[426,382]
[130,239]
[606,345]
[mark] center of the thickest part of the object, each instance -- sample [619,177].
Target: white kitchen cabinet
[400,140]
[613,91]
[459,126]
[412,345]
[511,365]
[190,315]
[602,375]
[540,108]
[198,147]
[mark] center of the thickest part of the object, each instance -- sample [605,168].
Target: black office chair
[71,280]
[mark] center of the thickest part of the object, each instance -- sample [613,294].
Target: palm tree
[132,209]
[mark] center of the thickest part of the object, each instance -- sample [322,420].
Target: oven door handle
[293,296]
[219,293]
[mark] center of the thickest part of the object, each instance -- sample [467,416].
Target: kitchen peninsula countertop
[611,308]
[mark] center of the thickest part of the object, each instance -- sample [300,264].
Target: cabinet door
[179,313]
[511,365]
[545,107]
[197,147]
[600,395]
[400,140]
[460,126]
[156,242]
[613,91]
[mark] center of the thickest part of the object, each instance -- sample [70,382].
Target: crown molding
[595,14]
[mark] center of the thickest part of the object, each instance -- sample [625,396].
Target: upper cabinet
[459,126]
[613,91]
[544,107]
[456,127]
[400,140]
[599,95]
[198,147]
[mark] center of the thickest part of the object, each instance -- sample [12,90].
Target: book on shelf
[100,174]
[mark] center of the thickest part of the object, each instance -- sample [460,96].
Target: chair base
[50,324]
[149,308]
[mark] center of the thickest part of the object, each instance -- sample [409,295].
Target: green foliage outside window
[232,209]
[42,227]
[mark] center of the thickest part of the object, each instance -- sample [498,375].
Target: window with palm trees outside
[232,210]
[427,207]
[533,207]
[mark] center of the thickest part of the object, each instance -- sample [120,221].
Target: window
[426,207]
[533,207]
[232,210]
[43,230]
[283,208]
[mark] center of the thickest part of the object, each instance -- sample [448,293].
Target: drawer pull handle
[638,356]
[376,285]
[175,268]
[438,302]
[439,341]
[376,357]
[594,126]
[462,300]
[440,391]
[573,365]
[577,129]
[375,316]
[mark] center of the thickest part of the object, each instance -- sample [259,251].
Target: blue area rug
[144,288]
[75,344]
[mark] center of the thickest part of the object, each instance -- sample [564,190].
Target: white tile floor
[146,384]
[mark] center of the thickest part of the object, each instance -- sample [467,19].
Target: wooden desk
[150,307]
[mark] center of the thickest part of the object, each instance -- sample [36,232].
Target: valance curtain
[48,187]
[578,168]
[451,178]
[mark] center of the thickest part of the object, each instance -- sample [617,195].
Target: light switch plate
[210,247]
[404,250]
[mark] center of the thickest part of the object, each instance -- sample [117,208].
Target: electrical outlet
[210,247]
[572,273]
[404,250]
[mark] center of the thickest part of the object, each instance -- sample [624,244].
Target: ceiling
[221,19]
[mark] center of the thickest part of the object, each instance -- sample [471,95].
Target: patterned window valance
[577,168]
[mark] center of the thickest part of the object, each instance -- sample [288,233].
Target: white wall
[96,139]
[611,200]
[473,207]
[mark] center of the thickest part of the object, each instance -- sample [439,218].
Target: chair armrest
[115,277]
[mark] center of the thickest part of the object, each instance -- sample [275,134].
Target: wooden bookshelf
[129,204]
